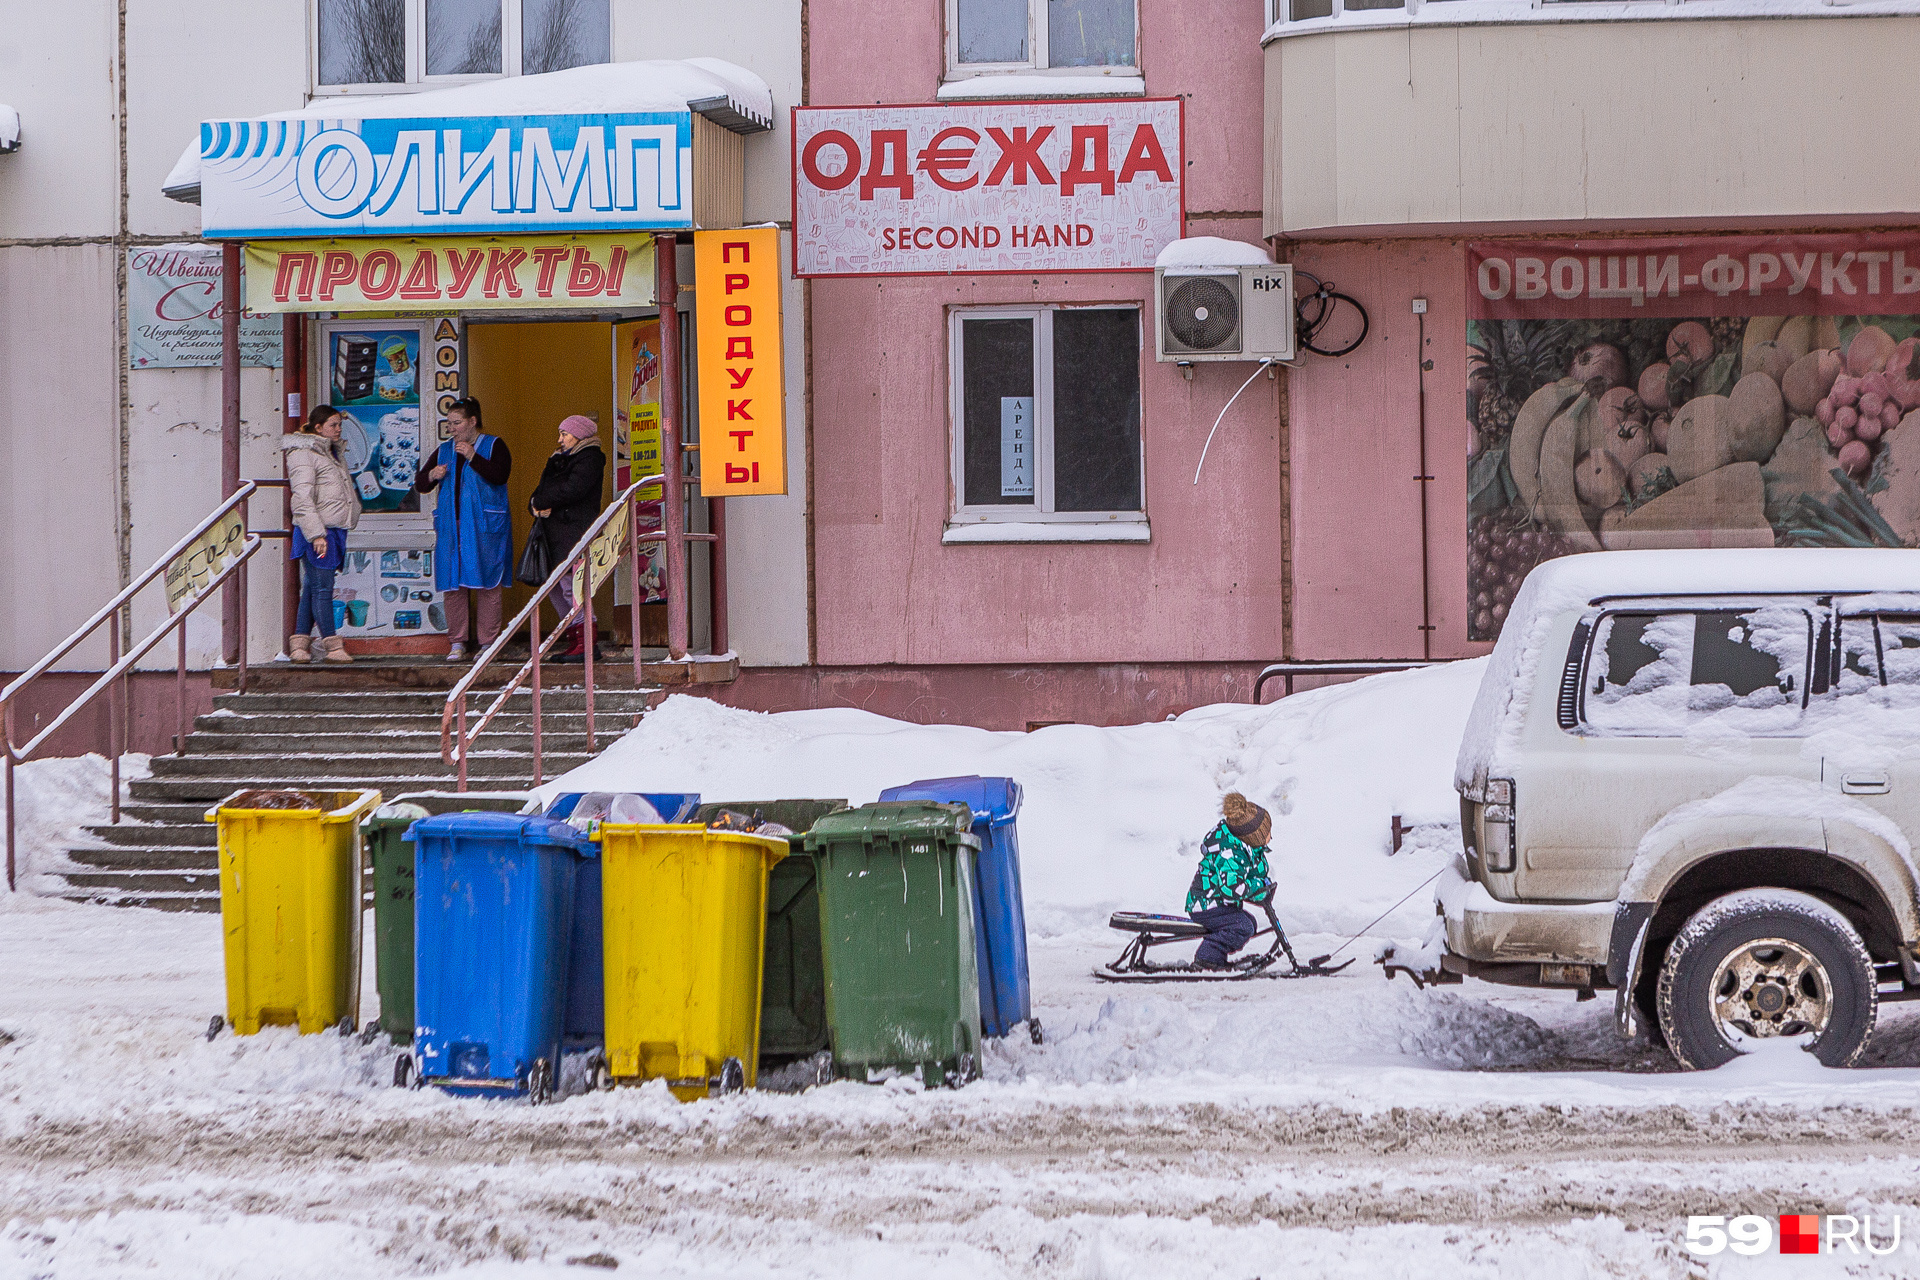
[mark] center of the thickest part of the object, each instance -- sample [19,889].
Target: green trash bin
[793,991]
[896,926]
[392,859]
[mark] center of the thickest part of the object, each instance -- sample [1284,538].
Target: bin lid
[993,800]
[501,826]
[891,821]
[403,810]
[672,806]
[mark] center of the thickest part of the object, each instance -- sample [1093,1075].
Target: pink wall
[1208,585]
[1354,427]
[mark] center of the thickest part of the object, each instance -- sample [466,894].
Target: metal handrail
[456,747]
[1310,667]
[112,679]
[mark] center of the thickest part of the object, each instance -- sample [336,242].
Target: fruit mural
[1620,429]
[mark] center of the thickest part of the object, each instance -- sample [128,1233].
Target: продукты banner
[1727,391]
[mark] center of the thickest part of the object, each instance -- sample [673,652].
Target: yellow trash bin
[685,915]
[290,900]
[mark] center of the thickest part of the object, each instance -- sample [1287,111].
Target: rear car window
[1879,667]
[1659,674]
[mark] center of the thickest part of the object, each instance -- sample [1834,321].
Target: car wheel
[1763,964]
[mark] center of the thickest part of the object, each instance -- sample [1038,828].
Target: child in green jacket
[1233,870]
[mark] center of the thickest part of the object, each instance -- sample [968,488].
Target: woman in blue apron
[473,535]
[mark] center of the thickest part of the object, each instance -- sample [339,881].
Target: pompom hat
[1246,819]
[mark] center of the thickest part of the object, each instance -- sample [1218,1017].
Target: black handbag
[536,560]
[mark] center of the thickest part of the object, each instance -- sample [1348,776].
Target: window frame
[511,52]
[1036,62]
[1040,511]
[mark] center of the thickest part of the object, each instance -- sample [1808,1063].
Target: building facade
[112,455]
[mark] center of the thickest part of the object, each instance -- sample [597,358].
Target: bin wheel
[963,1071]
[732,1079]
[600,1079]
[539,1082]
[214,1027]
[370,1032]
[822,1069]
[345,1026]
[1033,1029]
[403,1072]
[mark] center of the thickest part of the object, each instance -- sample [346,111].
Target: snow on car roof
[1572,582]
[734,96]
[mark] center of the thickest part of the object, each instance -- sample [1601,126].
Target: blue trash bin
[586,1019]
[1006,995]
[494,903]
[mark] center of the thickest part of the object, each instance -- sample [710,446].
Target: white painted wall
[57,68]
[194,60]
[59,448]
[1586,121]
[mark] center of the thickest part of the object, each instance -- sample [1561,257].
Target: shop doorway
[530,374]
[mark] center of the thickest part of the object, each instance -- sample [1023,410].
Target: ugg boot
[300,648]
[336,649]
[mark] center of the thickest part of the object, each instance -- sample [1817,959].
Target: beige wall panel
[57,70]
[1588,121]
[179,53]
[59,448]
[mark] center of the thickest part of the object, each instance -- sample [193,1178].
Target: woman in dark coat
[568,500]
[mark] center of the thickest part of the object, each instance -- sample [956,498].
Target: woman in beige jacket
[325,505]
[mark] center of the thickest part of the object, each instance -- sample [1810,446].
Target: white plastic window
[1879,667]
[1046,415]
[1708,671]
[376,45]
[1040,35]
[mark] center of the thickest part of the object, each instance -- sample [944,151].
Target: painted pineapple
[1505,366]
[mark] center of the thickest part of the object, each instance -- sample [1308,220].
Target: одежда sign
[306,177]
[472,273]
[986,188]
[736,299]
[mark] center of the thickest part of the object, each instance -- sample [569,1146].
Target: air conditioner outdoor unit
[1224,313]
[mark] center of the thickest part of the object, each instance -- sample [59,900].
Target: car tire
[1762,963]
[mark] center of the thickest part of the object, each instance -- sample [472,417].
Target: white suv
[1694,777]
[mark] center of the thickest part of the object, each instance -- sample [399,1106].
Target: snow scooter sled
[1151,931]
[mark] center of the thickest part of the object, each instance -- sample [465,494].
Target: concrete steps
[164,853]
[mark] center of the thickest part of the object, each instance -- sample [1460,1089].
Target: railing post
[717,573]
[634,594]
[533,629]
[673,486]
[180,690]
[113,709]
[586,602]
[6,727]
[242,610]
[230,643]
[463,743]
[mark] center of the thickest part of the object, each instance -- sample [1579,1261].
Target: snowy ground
[1332,1127]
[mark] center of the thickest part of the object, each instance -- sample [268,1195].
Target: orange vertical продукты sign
[736,298]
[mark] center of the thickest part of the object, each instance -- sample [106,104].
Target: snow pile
[1212,251]
[1113,817]
[57,798]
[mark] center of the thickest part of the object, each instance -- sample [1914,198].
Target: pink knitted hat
[580,427]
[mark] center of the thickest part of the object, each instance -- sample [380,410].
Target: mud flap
[1637,916]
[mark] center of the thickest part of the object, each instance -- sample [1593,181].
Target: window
[1879,663]
[1039,35]
[380,44]
[1046,413]
[1730,670]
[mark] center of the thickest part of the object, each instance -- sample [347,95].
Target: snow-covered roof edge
[1465,13]
[729,95]
[9,128]
[1212,251]
[1571,582]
